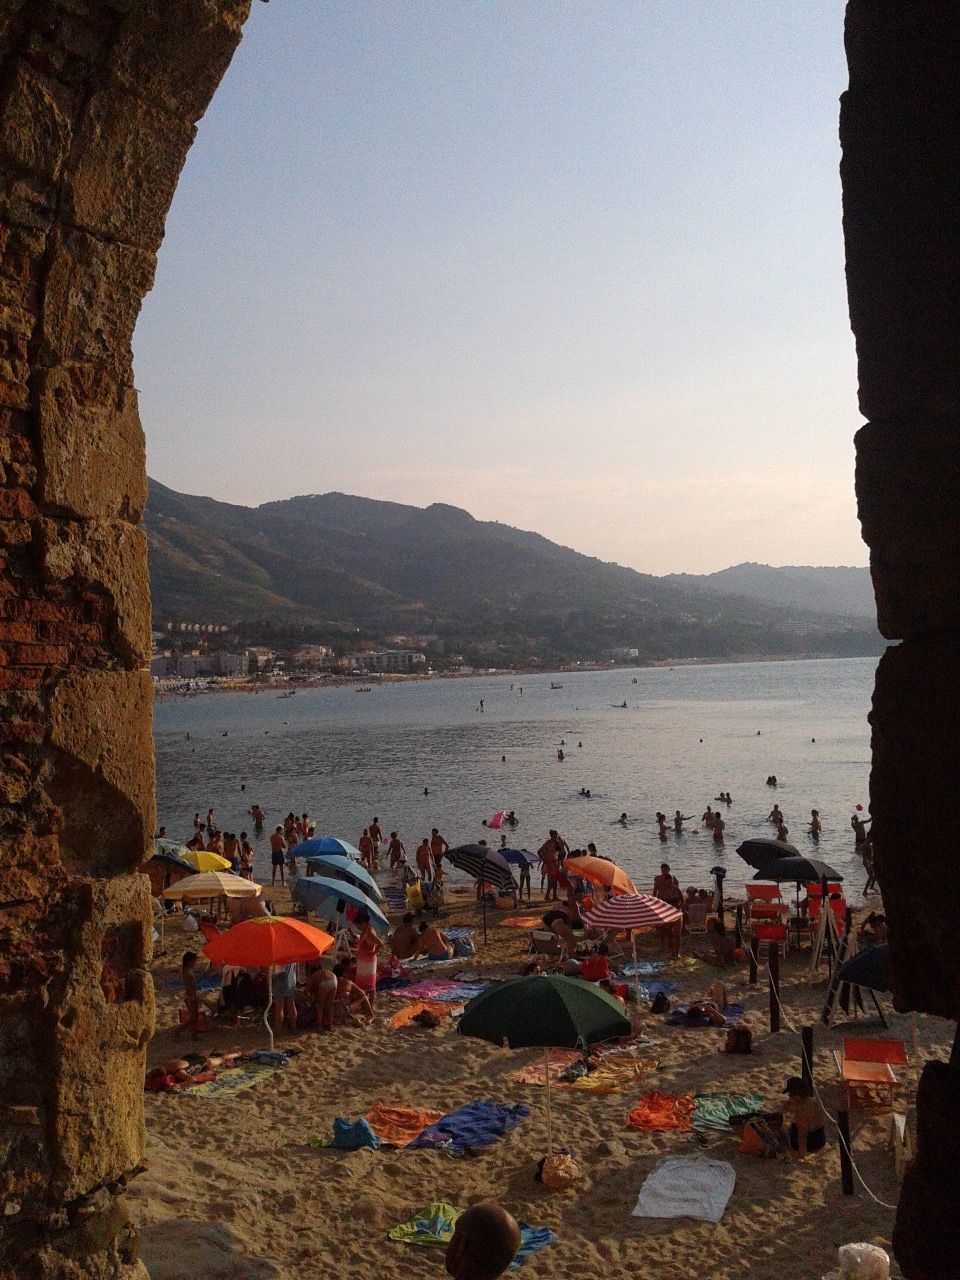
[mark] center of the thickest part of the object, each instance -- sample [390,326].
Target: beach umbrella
[797,870]
[206,860]
[632,911]
[171,862]
[486,865]
[547,1012]
[327,844]
[763,850]
[516,857]
[600,871]
[171,848]
[869,968]
[212,884]
[318,892]
[340,867]
[266,942]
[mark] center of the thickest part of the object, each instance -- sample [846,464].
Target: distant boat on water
[290,693]
[555,684]
[364,688]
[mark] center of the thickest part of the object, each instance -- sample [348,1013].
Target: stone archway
[98,105]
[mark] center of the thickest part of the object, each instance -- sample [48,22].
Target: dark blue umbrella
[321,894]
[327,844]
[339,866]
[518,856]
[869,968]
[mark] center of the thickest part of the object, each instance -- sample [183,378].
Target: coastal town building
[395,661]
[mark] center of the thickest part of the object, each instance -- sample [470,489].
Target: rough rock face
[98,106]
[900,132]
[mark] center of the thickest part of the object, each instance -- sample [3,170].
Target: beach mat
[686,1187]
[232,1080]
[523,922]
[611,1075]
[662,1112]
[471,1127]
[712,1111]
[398,1126]
[433,1227]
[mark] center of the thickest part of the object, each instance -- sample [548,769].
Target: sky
[577,267]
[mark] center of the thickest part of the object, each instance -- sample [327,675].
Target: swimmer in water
[679,819]
[622,819]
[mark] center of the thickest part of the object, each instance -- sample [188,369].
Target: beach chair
[543,942]
[697,917]
[859,1076]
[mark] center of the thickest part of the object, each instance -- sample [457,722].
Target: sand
[233,1189]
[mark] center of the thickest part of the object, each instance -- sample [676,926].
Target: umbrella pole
[636,975]
[483,898]
[266,1013]
[546,1074]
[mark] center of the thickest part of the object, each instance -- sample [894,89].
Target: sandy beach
[233,1188]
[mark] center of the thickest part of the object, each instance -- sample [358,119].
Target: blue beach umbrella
[321,894]
[327,844]
[518,856]
[339,866]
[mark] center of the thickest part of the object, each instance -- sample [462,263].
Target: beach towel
[398,1126]
[712,1111]
[612,1075]
[352,1136]
[537,1071]
[232,1080]
[686,1187]
[433,1226]
[732,1013]
[627,1044]
[658,987]
[642,968]
[440,989]
[662,1112]
[441,1008]
[425,961]
[393,982]
[472,1126]
[523,922]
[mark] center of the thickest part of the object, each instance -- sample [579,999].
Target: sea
[450,753]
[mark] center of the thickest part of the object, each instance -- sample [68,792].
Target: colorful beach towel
[472,1126]
[442,1008]
[663,1112]
[612,1075]
[232,1080]
[398,1126]
[712,1111]
[538,1070]
[440,989]
[687,1187]
[523,922]
[433,1227]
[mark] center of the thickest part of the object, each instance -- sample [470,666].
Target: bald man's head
[485,1242]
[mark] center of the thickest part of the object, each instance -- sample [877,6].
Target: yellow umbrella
[212,884]
[205,860]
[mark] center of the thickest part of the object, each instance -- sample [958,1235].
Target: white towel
[687,1187]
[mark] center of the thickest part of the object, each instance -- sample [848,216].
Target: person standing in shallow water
[815,824]
[278,853]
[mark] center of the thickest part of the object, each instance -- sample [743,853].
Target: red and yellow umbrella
[600,871]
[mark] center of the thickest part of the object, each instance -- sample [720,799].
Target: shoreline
[164,688]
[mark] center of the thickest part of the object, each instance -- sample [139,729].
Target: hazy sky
[573,266]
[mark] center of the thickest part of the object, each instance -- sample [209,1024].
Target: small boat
[555,685]
[364,688]
[290,693]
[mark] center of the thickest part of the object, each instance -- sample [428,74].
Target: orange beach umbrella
[600,871]
[265,941]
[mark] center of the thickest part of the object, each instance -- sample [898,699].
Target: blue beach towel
[474,1125]
[650,989]
[532,1239]
[642,969]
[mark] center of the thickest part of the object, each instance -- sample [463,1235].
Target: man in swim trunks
[396,851]
[424,859]
[404,941]
[278,854]
[547,853]
[438,846]
[433,943]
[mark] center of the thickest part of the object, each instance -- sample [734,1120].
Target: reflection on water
[686,734]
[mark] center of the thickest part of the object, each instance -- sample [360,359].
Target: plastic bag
[559,1172]
[863,1262]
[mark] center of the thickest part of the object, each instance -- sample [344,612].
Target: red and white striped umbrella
[632,911]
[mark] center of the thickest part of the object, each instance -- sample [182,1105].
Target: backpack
[660,1004]
[739,1040]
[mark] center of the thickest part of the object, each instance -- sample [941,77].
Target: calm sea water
[686,734]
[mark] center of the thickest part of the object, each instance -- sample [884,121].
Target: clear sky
[573,266]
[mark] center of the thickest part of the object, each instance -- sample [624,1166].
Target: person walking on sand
[547,853]
[278,854]
[396,851]
[438,846]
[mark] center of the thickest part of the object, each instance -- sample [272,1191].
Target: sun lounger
[856,1076]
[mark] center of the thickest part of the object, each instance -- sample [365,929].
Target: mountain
[845,591]
[331,564]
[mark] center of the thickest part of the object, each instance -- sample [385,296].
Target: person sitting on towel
[403,943]
[433,943]
[485,1241]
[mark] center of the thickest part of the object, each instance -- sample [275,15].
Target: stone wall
[900,132]
[98,105]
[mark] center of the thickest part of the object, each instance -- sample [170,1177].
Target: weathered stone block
[124,167]
[111,555]
[915,769]
[169,55]
[34,129]
[926,1237]
[102,775]
[91,445]
[91,302]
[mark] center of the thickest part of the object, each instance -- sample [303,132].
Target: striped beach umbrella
[482,863]
[632,911]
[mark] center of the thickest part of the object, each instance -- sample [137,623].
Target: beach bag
[559,1172]
[463,947]
[760,1139]
[660,1003]
[739,1040]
